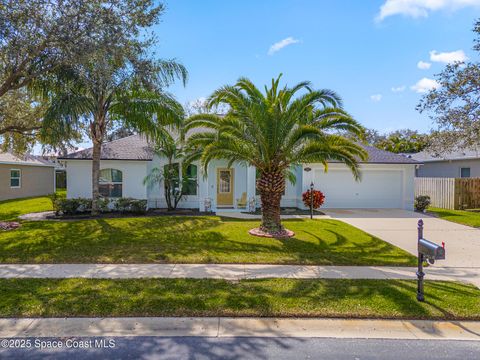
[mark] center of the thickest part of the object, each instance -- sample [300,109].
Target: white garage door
[376,189]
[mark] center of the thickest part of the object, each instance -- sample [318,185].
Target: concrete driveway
[399,227]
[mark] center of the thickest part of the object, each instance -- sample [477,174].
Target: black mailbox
[430,250]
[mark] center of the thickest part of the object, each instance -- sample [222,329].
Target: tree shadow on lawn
[188,240]
[122,297]
[263,297]
[391,298]
[372,252]
[11,213]
[111,240]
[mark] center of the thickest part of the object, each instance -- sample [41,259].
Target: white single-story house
[454,164]
[387,179]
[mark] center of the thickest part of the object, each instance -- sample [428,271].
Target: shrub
[68,206]
[138,206]
[55,198]
[126,205]
[103,205]
[122,204]
[85,205]
[82,205]
[74,206]
[422,202]
[318,198]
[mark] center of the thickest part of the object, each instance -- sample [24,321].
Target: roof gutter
[18,163]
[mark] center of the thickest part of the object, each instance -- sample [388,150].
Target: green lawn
[469,218]
[11,209]
[206,239]
[267,297]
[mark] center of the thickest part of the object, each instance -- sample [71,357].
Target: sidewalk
[241,327]
[232,271]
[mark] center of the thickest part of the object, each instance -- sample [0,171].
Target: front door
[224,187]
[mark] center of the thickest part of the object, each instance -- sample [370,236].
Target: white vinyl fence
[450,193]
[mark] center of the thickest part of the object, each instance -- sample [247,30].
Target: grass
[469,218]
[209,297]
[182,239]
[11,209]
[201,239]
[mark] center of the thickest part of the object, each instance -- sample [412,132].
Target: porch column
[250,182]
[202,189]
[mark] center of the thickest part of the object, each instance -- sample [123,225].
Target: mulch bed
[115,215]
[287,211]
[285,233]
[9,225]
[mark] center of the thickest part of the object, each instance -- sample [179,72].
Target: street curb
[241,327]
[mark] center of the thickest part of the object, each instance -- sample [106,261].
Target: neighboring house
[24,176]
[387,179]
[458,164]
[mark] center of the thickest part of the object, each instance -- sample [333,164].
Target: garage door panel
[376,189]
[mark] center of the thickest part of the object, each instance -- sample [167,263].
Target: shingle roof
[134,147]
[32,160]
[378,156]
[427,156]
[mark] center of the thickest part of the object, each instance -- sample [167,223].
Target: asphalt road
[245,348]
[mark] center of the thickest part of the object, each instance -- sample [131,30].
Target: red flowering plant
[318,198]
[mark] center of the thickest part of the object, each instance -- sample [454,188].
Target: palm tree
[172,149]
[109,89]
[274,131]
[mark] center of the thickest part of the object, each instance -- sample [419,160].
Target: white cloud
[424,85]
[281,44]
[399,88]
[376,97]
[420,8]
[198,102]
[448,57]
[423,65]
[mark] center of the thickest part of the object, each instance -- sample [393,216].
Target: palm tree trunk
[96,154]
[97,132]
[271,186]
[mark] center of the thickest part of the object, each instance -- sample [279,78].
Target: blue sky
[359,48]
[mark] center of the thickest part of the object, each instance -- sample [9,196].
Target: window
[171,174]
[465,172]
[15,178]
[224,181]
[111,183]
[190,180]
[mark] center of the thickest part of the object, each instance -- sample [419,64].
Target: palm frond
[276,129]
[148,112]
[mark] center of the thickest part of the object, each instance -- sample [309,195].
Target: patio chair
[242,202]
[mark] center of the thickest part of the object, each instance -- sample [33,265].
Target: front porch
[225,189]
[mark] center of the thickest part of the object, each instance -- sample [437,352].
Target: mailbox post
[420,273]
[427,251]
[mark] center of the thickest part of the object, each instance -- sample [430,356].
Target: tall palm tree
[273,131]
[95,95]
